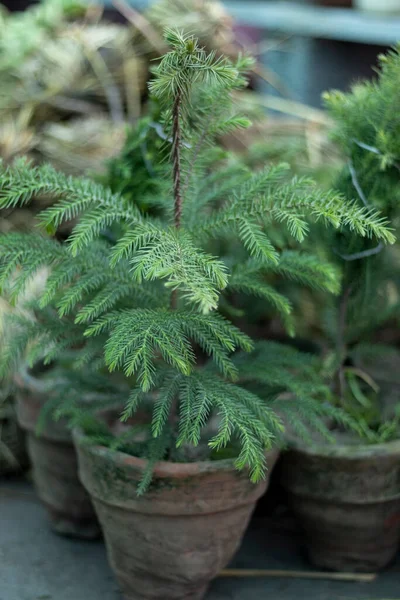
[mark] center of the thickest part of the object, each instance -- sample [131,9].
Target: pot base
[347,561]
[197,596]
[55,475]
[361,538]
[163,595]
[65,526]
[347,499]
[163,557]
[54,461]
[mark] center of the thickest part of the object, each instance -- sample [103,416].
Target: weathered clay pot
[347,497]
[170,543]
[54,462]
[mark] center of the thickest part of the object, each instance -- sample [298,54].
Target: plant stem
[176,159]
[341,343]
[176,171]
[174,300]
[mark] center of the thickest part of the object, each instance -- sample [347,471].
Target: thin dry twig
[270,77]
[107,82]
[141,24]
[362,577]
[288,107]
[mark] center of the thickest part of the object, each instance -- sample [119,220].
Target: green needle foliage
[138,293]
[367,128]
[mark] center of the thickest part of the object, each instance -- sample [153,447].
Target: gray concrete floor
[37,565]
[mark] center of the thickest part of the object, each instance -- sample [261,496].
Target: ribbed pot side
[348,500]
[54,463]
[171,542]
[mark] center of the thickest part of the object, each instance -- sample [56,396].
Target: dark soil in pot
[54,461]
[347,498]
[171,542]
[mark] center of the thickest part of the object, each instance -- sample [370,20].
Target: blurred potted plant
[51,452]
[348,496]
[34,390]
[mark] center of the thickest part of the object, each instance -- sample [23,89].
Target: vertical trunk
[176,170]
[176,159]
[341,341]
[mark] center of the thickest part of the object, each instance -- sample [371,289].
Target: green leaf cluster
[366,127]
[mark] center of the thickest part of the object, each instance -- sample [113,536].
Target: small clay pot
[54,462]
[171,542]
[347,498]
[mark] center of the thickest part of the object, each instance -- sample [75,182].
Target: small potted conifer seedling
[347,495]
[138,293]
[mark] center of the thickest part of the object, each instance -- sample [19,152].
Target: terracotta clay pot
[170,543]
[347,498]
[54,462]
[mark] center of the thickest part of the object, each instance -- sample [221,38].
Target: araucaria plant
[367,127]
[140,294]
[347,502]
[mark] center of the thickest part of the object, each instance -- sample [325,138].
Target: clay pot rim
[346,451]
[162,469]
[25,380]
